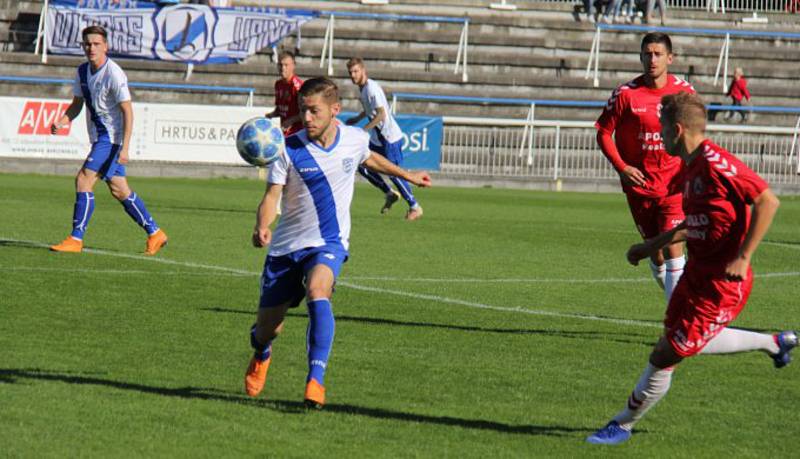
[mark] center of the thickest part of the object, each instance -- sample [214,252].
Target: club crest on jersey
[348,164]
[185,33]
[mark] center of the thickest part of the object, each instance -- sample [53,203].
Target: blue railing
[571,103]
[170,86]
[700,31]
[394,17]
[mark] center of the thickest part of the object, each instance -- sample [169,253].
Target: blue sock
[375,179]
[405,190]
[262,351]
[134,206]
[82,213]
[320,338]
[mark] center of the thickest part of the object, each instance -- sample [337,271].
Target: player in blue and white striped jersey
[315,175]
[102,85]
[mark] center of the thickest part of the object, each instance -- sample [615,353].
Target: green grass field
[503,324]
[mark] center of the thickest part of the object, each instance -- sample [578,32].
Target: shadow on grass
[646,339]
[12,375]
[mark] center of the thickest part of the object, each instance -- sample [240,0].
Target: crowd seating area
[538,51]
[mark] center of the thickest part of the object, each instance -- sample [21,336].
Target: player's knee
[318,292]
[663,355]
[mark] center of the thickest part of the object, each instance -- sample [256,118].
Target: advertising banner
[196,34]
[161,132]
[175,133]
[422,139]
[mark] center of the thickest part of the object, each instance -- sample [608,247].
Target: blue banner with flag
[189,33]
[422,139]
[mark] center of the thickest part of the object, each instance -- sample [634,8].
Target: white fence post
[723,60]
[41,34]
[594,55]
[327,46]
[393,108]
[794,144]
[250,99]
[461,57]
[557,153]
[528,136]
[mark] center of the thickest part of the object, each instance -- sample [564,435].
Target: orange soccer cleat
[256,376]
[315,395]
[69,245]
[155,241]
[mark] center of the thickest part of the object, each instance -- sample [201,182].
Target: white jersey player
[315,175]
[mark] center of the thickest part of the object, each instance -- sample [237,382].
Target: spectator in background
[588,8]
[286,89]
[737,92]
[662,8]
[613,10]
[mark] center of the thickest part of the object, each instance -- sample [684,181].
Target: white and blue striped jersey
[102,92]
[318,190]
[387,131]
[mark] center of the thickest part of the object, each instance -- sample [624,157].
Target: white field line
[435,298]
[118,271]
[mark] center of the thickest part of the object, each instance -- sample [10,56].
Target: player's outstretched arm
[73,111]
[650,247]
[265,215]
[381,165]
[764,207]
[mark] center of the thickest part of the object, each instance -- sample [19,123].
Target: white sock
[659,273]
[653,384]
[673,273]
[732,340]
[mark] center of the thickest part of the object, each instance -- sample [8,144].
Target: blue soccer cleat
[611,434]
[787,341]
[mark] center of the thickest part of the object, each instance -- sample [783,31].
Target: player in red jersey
[637,152]
[721,235]
[286,89]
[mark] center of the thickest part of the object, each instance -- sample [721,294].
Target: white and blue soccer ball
[259,142]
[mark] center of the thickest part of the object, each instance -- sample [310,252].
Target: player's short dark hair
[657,37]
[95,30]
[284,54]
[353,61]
[685,108]
[320,85]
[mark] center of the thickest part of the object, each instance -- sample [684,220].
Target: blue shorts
[391,151]
[103,159]
[283,279]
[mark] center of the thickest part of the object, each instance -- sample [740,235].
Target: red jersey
[718,191]
[632,115]
[286,102]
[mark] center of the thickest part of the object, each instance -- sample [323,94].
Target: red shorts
[654,216]
[702,305]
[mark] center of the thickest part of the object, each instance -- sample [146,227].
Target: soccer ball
[259,142]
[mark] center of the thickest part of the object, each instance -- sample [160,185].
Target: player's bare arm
[355,119]
[764,208]
[72,112]
[379,116]
[381,165]
[127,129]
[650,247]
[265,215]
